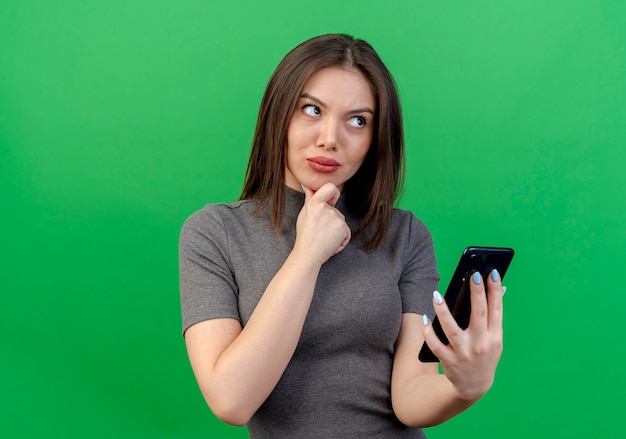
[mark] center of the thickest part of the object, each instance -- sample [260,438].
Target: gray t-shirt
[337,385]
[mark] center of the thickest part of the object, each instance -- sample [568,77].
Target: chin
[315,187]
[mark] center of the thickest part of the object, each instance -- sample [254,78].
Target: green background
[118,119]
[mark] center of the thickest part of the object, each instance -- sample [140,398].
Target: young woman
[306,302]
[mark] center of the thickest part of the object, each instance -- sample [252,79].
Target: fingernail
[437,297]
[425,320]
[503,291]
[476,278]
[495,276]
[303,188]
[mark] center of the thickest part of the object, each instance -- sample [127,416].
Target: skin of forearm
[249,369]
[428,400]
[421,396]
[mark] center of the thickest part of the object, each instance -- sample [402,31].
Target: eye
[312,110]
[358,121]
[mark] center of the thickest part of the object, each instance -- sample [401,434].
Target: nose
[328,133]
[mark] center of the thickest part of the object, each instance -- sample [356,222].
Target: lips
[323,164]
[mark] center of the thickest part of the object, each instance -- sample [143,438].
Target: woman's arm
[422,397]
[237,368]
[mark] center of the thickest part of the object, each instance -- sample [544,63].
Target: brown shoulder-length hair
[371,193]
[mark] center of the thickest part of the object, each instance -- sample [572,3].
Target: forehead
[340,85]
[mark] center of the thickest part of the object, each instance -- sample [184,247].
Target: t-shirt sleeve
[207,286]
[419,277]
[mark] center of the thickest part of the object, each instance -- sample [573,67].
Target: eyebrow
[323,104]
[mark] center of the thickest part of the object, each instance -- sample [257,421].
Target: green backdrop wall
[118,119]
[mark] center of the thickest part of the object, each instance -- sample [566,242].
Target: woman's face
[331,129]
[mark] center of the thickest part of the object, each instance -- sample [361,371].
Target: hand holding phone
[457,296]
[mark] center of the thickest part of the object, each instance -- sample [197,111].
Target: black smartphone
[473,259]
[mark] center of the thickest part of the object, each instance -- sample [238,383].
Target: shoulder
[404,223]
[410,236]
[215,221]
[219,213]
[213,210]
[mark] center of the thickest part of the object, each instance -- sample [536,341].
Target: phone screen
[457,296]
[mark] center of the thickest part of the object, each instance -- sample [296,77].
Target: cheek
[295,136]
[364,148]
[357,159]
[363,154]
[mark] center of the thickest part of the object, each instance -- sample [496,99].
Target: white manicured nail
[438,298]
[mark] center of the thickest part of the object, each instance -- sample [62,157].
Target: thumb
[329,193]
[307,192]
